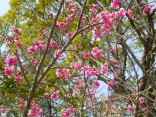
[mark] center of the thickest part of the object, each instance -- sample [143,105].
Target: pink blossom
[34,62]
[32,49]
[85,68]
[40,44]
[142,100]
[67,76]
[86,54]
[96,53]
[107,19]
[58,53]
[70,4]
[112,49]
[76,65]
[96,84]
[68,111]
[16,30]
[148,8]
[35,111]
[18,79]
[94,9]
[78,84]
[63,73]
[95,19]
[119,13]
[130,13]
[54,94]
[104,68]
[91,72]
[53,44]
[60,25]
[9,38]
[115,62]
[131,108]
[11,60]
[59,73]
[8,71]
[96,32]
[18,43]
[111,85]
[69,35]
[84,17]
[115,4]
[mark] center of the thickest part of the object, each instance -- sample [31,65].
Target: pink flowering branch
[34,86]
[65,46]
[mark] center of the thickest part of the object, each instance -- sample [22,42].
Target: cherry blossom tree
[59,53]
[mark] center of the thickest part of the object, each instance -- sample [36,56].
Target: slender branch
[22,70]
[134,57]
[32,90]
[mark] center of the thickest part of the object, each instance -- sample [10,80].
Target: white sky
[4,6]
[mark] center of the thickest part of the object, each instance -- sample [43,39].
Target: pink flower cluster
[38,44]
[17,79]
[95,19]
[53,44]
[8,71]
[89,71]
[115,62]
[86,54]
[119,13]
[58,53]
[130,13]
[148,8]
[63,73]
[141,100]
[107,19]
[104,68]
[96,52]
[68,112]
[69,35]
[70,4]
[96,84]
[16,30]
[32,49]
[33,61]
[131,108]
[76,65]
[94,9]
[54,94]
[115,4]
[61,25]
[11,60]
[112,83]
[15,38]
[35,111]
[96,32]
